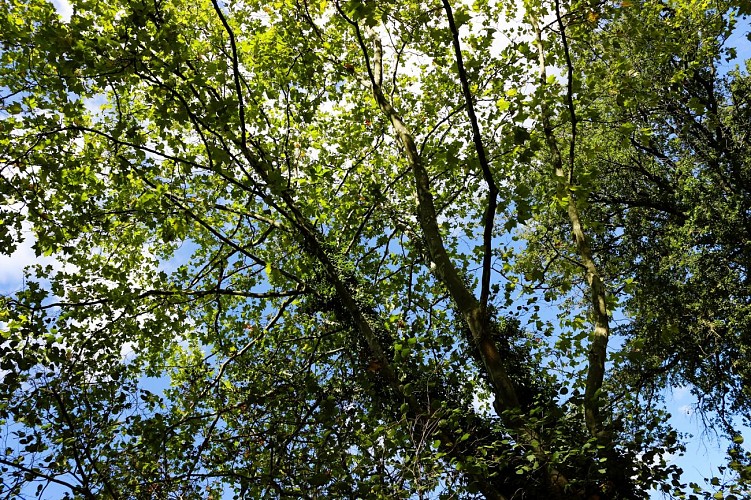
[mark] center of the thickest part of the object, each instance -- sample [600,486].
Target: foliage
[310,249]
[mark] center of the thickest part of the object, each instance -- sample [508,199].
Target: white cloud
[128,351]
[482,402]
[13,265]
[64,8]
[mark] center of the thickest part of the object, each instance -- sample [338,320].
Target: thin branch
[569,91]
[492,202]
[436,126]
[36,473]
[597,355]
[235,73]
[87,452]
[171,293]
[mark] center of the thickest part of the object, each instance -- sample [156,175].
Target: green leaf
[461,17]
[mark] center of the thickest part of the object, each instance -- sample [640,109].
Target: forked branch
[444,268]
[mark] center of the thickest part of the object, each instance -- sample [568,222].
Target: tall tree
[288,258]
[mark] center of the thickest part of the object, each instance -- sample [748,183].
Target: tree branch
[598,347]
[442,265]
[52,479]
[492,202]
[87,453]
[235,73]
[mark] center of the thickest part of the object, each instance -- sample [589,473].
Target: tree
[325,229]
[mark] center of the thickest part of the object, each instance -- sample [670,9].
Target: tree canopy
[359,249]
